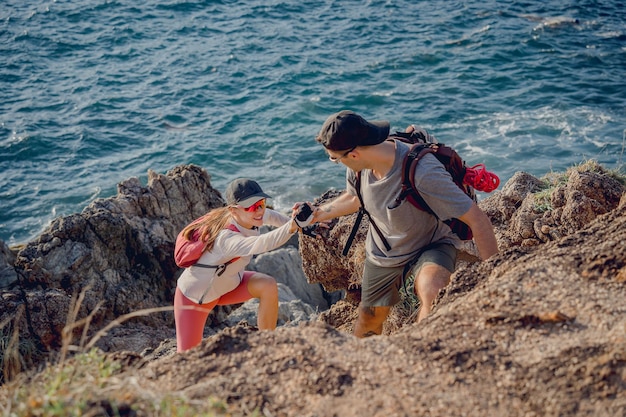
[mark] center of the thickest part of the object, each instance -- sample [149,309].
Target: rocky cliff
[115,259]
[537,330]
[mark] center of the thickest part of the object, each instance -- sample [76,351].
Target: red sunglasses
[256,206]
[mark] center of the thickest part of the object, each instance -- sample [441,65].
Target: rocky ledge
[538,330]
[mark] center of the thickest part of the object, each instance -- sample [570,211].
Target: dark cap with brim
[346,130]
[244,192]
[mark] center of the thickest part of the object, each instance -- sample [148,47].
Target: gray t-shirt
[406,228]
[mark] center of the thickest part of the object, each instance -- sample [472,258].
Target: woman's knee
[262,285]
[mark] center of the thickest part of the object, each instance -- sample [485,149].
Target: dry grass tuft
[81,380]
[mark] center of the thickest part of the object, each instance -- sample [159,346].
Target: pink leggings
[190,321]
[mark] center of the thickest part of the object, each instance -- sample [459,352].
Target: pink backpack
[187,252]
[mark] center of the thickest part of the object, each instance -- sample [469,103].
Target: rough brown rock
[537,330]
[7,272]
[534,331]
[116,254]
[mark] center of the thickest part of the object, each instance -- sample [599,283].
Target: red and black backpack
[466,178]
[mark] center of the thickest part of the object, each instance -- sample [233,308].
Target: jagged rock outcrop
[117,257]
[7,272]
[529,211]
[537,330]
[117,253]
[322,259]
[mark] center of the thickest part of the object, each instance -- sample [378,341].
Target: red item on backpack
[481,179]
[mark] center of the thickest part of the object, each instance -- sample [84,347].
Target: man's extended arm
[342,205]
[482,229]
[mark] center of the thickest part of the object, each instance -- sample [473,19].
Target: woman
[232,237]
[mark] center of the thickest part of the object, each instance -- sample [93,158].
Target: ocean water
[93,92]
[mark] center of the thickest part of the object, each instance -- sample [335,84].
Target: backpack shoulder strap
[234,229]
[416,154]
[219,269]
[359,218]
[409,164]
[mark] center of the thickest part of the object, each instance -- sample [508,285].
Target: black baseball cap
[347,130]
[244,192]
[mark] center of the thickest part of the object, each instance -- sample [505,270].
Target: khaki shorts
[381,286]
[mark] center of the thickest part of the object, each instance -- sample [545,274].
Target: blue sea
[93,92]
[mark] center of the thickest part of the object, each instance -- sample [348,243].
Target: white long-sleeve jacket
[202,285]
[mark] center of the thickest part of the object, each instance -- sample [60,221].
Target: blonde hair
[209,226]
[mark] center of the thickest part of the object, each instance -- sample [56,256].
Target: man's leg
[379,292]
[432,273]
[429,281]
[370,321]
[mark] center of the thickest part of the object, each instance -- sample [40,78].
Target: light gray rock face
[285,265]
[291,310]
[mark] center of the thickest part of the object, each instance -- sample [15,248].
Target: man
[413,234]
